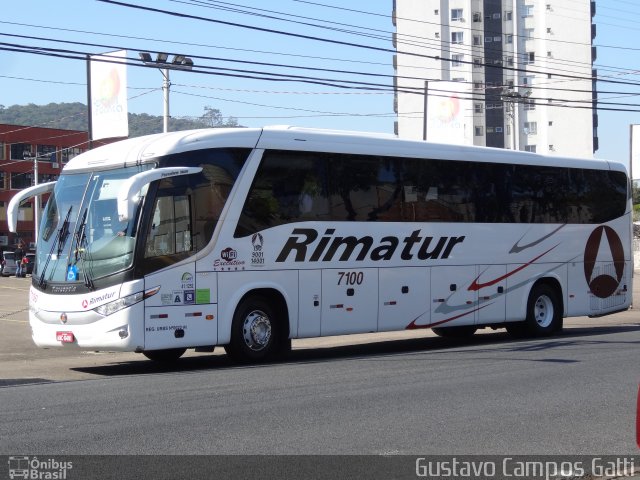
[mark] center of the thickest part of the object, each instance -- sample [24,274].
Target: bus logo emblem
[603,279]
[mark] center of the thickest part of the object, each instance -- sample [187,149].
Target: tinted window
[310,186]
[186,208]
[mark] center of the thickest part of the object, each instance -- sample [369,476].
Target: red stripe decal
[477,286]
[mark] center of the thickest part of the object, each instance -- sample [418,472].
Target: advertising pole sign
[108,95]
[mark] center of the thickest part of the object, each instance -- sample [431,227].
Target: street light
[179,62]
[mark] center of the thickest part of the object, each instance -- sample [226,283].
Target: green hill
[73,116]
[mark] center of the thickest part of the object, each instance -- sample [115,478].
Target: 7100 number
[350,278]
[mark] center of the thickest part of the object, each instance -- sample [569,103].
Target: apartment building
[525,65]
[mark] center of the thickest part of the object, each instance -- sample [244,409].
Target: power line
[252,74]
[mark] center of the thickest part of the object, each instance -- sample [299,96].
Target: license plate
[65,337]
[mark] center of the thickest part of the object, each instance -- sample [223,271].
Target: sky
[228,43]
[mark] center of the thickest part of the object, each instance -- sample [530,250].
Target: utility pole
[179,62]
[426,104]
[511,99]
[166,84]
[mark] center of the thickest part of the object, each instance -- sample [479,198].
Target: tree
[213,118]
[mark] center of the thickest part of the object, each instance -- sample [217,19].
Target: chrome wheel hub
[256,330]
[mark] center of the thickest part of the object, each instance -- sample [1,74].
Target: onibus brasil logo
[35,468]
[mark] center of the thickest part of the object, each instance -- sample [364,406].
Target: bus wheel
[544,314]
[464,331]
[167,355]
[254,331]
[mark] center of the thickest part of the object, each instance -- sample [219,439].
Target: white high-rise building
[526,65]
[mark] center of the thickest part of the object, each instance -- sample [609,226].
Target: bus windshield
[80,237]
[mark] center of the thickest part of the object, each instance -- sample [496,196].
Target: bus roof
[144,149]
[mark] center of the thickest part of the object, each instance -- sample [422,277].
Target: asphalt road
[393,394]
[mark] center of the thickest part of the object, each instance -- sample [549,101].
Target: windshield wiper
[59,241]
[81,252]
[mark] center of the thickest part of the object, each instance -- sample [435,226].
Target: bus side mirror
[133,185]
[14,204]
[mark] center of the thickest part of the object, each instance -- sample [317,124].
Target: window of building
[552,148]
[478,85]
[496,16]
[479,131]
[477,108]
[529,105]
[456,15]
[477,40]
[477,62]
[528,33]
[527,11]
[508,15]
[1,151]
[530,148]
[550,123]
[498,129]
[21,151]
[497,39]
[528,80]
[436,12]
[477,17]
[490,130]
[507,129]
[437,34]
[21,180]
[508,38]
[46,153]
[530,128]
[488,39]
[529,58]
[456,60]
[3,179]
[508,61]
[458,79]
[457,37]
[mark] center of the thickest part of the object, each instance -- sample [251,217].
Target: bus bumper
[116,332]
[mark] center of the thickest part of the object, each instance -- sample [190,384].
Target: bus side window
[170,229]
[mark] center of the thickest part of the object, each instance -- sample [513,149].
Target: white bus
[248,238]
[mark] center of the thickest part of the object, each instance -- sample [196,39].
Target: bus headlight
[117,305]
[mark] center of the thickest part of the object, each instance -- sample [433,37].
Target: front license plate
[65,337]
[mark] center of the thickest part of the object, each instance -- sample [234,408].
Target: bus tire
[166,355]
[544,314]
[254,331]
[464,331]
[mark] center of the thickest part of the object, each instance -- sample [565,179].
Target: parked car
[32,258]
[9,266]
